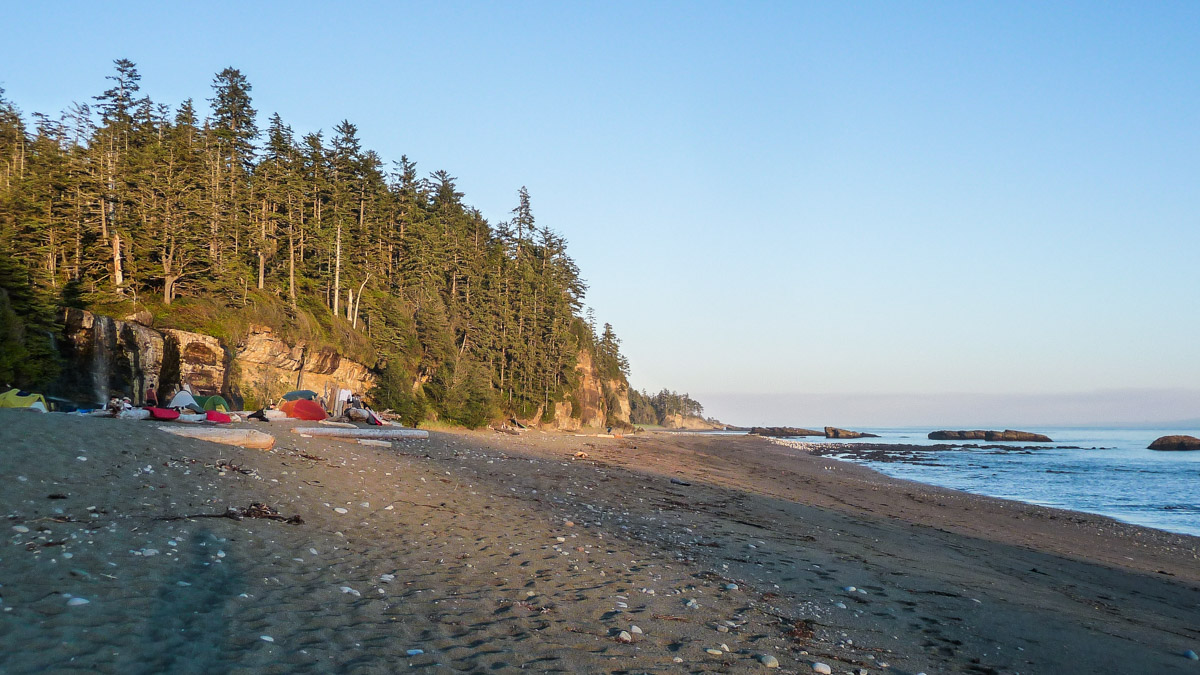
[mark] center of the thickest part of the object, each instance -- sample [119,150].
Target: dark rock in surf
[981,435]
[834,432]
[780,432]
[1176,443]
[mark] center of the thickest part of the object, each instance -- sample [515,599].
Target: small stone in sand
[731,587]
[387,578]
[722,629]
[75,602]
[724,647]
[1191,655]
[715,652]
[849,589]
[822,668]
[340,510]
[414,652]
[624,636]
[677,660]
[769,661]
[635,630]
[20,528]
[351,591]
[266,638]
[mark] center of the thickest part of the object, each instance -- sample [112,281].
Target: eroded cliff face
[108,356]
[268,367]
[193,359]
[590,398]
[689,422]
[620,391]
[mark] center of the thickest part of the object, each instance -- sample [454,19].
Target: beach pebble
[414,652]
[20,528]
[75,602]
[624,636]
[722,629]
[840,605]
[635,630]
[351,591]
[822,668]
[677,660]
[387,578]
[715,652]
[266,638]
[692,604]
[731,587]
[1189,654]
[724,647]
[849,589]
[340,510]
[769,661]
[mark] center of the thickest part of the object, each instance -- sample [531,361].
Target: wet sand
[496,553]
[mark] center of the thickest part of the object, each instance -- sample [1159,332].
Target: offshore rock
[1176,443]
[834,432]
[782,432]
[981,435]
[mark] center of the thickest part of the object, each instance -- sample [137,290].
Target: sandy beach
[484,552]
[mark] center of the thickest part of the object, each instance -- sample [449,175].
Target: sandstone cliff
[107,356]
[678,421]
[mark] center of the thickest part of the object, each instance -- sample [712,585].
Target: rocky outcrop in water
[1176,443]
[982,435]
[784,432]
[834,432]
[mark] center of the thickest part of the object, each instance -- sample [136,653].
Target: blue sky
[851,200]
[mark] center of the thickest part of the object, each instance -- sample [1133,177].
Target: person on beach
[151,395]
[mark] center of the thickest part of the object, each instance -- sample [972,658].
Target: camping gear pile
[15,398]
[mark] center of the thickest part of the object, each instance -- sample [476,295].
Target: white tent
[185,400]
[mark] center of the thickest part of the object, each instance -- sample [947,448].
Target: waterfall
[103,339]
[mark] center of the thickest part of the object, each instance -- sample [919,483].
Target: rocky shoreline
[131,550]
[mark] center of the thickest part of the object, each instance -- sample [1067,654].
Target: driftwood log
[246,438]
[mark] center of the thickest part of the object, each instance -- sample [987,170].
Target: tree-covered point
[646,408]
[210,223]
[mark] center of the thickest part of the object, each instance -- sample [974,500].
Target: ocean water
[1113,475]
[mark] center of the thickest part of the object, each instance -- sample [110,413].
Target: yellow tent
[13,399]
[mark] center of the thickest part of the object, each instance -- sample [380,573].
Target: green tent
[213,403]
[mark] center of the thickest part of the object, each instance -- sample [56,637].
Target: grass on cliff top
[311,322]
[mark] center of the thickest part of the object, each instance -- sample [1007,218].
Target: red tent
[304,409]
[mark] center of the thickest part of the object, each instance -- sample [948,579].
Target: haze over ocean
[854,214]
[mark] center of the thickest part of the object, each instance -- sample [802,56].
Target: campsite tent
[304,409]
[300,394]
[15,398]
[213,403]
[185,400]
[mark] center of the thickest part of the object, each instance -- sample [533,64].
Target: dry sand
[495,553]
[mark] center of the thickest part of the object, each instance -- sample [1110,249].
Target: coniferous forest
[210,222]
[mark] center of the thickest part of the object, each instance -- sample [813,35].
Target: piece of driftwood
[255,510]
[246,438]
[381,433]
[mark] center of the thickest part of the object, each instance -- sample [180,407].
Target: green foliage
[215,227]
[654,409]
[27,326]
[393,390]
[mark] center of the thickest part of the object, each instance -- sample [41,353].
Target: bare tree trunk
[354,322]
[118,274]
[337,271]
